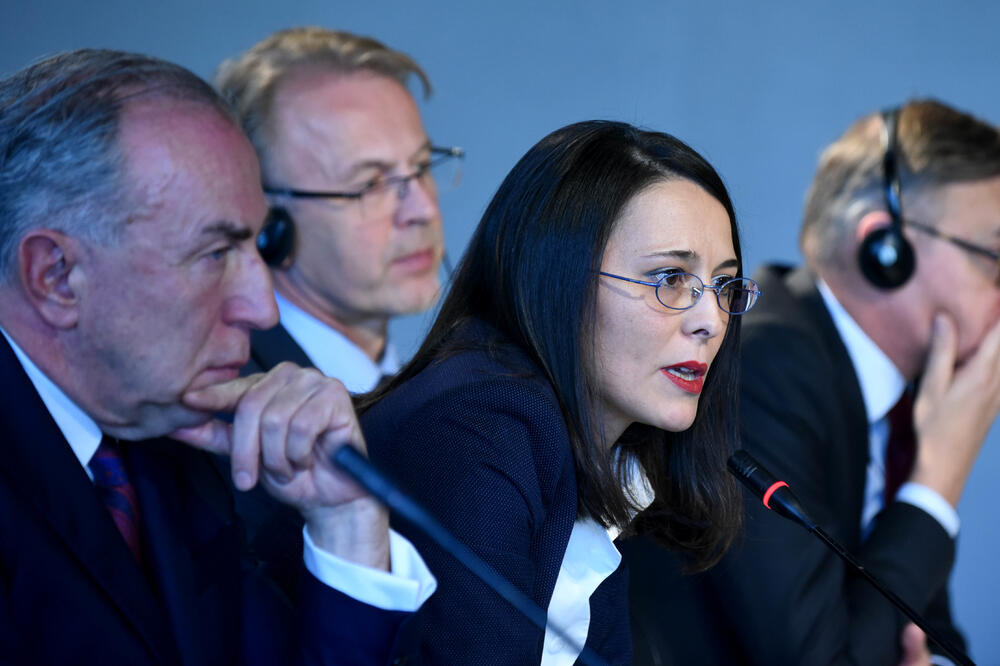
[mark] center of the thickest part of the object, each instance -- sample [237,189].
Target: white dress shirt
[408,585]
[332,353]
[591,556]
[881,387]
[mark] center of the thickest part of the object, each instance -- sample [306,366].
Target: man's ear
[872,221]
[48,270]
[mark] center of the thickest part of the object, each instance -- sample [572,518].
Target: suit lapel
[803,283]
[40,465]
[271,347]
[193,547]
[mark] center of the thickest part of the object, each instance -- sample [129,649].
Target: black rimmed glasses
[681,291]
[381,192]
[968,246]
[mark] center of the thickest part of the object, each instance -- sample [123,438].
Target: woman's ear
[47,269]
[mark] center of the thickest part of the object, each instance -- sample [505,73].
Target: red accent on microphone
[770,491]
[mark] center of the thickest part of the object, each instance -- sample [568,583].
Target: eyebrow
[382,165]
[691,255]
[229,230]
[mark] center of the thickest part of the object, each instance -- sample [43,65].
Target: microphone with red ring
[777,496]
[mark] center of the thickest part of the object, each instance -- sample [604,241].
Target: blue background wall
[758,88]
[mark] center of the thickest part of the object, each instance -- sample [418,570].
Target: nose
[251,303]
[417,202]
[705,319]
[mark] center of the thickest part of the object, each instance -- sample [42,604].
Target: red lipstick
[688,376]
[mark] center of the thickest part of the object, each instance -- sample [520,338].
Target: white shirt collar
[80,431]
[332,353]
[881,382]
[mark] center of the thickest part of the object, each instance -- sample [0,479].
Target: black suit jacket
[479,439]
[780,596]
[71,593]
[271,347]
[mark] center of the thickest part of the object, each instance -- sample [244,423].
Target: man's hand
[954,410]
[914,643]
[286,426]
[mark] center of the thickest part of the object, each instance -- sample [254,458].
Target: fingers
[284,421]
[940,359]
[914,644]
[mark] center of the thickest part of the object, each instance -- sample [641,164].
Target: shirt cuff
[405,587]
[932,503]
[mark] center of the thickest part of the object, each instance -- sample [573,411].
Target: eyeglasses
[954,240]
[680,291]
[377,192]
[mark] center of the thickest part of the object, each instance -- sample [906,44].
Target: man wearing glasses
[869,384]
[355,234]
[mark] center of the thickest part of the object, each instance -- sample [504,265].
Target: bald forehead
[326,123]
[326,102]
[191,159]
[155,134]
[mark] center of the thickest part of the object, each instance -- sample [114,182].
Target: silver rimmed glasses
[680,291]
[382,192]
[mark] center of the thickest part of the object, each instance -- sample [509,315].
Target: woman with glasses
[578,383]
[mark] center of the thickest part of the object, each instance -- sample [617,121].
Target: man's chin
[161,420]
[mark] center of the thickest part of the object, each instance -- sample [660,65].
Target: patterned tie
[117,493]
[902,449]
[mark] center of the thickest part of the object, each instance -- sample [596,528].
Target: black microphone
[778,497]
[378,484]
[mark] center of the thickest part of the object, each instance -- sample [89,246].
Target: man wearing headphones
[869,384]
[355,233]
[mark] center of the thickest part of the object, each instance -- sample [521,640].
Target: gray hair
[250,81]
[61,166]
[936,145]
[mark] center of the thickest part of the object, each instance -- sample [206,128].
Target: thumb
[940,365]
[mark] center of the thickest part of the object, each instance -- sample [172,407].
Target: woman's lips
[688,376]
[416,262]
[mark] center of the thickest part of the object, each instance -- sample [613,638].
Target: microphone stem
[953,653]
[365,474]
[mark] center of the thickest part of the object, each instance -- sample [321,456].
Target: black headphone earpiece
[885,257]
[276,237]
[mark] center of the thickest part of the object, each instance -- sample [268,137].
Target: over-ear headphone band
[890,171]
[885,257]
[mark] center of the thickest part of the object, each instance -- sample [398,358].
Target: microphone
[775,494]
[359,468]
[778,497]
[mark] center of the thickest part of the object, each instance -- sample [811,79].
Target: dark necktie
[902,448]
[115,490]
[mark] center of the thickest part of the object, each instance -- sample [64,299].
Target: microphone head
[773,492]
[742,465]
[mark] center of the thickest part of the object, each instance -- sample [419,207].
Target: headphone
[885,257]
[276,238]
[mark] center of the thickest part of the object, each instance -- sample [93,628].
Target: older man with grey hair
[129,284]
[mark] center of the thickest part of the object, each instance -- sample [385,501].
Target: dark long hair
[531,271]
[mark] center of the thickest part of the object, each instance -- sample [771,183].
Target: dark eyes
[219,253]
[381,180]
[675,277]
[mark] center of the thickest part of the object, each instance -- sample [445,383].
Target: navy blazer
[780,596]
[71,592]
[479,439]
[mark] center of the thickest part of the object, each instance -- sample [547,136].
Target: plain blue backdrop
[759,88]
